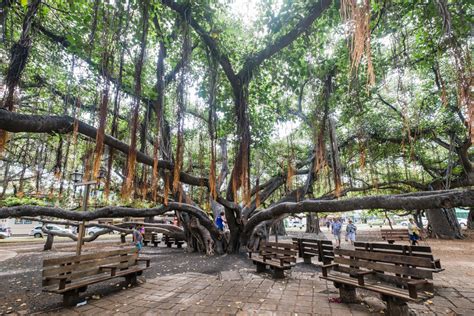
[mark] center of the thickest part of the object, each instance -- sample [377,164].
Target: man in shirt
[336,231]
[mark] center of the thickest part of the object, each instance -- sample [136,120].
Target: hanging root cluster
[358,14]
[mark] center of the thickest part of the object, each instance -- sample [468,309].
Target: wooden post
[82,227]
[80,237]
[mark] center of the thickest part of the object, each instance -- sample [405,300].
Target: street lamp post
[77,177]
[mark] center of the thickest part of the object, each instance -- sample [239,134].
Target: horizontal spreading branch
[16,122]
[74,237]
[110,212]
[70,223]
[410,201]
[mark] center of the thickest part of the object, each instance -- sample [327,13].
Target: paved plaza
[244,292]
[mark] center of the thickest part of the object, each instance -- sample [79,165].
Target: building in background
[18,226]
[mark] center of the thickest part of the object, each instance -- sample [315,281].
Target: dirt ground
[20,275]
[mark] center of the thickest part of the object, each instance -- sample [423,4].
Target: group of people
[351,229]
[336,229]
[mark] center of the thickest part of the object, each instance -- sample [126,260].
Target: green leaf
[24,2]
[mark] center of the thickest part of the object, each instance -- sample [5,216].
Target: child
[413,232]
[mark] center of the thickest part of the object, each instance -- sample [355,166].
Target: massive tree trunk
[312,223]
[444,223]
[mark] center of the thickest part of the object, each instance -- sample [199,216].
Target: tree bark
[49,242]
[312,223]
[444,223]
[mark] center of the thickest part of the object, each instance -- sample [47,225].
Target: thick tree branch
[110,212]
[414,201]
[252,62]
[15,123]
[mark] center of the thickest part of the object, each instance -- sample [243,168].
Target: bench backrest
[285,249]
[76,267]
[394,234]
[388,266]
[407,250]
[323,249]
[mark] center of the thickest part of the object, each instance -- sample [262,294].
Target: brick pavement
[302,293]
[202,294]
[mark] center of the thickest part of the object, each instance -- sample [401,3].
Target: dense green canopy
[250,102]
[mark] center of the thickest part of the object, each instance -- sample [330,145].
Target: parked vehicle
[462,222]
[5,232]
[38,233]
[92,230]
[296,223]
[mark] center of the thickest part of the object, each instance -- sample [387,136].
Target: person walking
[413,232]
[336,231]
[137,238]
[351,232]
[328,224]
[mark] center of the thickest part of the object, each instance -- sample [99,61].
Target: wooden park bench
[392,235]
[308,248]
[169,241]
[151,237]
[398,278]
[407,250]
[71,275]
[278,256]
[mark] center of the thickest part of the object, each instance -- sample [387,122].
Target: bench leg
[395,307]
[347,293]
[278,273]
[71,298]
[260,267]
[145,242]
[307,259]
[131,279]
[168,245]
[179,245]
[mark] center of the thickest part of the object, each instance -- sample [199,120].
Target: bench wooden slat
[401,294]
[98,255]
[395,258]
[414,272]
[85,265]
[408,250]
[94,270]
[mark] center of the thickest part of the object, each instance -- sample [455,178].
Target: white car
[38,233]
[296,224]
[462,222]
[4,233]
[92,230]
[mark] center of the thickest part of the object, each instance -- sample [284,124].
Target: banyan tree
[198,107]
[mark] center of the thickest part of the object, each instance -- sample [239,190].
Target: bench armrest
[414,285]
[112,268]
[360,276]
[284,259]
[327,267]
[146,260]
[62,280]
